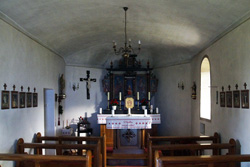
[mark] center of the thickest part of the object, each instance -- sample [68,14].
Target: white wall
[230,59]
[76,103]
[24,62]
[173,102]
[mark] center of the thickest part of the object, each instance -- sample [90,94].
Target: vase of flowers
[114,103]
[144,103]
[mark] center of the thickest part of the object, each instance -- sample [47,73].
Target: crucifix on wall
[88,83]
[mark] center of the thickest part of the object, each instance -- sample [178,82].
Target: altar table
[102,118]
[128,122]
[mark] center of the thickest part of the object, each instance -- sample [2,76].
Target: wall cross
[88,84]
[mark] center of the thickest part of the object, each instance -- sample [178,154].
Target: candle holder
[149,105]
[138,103]
[120,103]
[108,106]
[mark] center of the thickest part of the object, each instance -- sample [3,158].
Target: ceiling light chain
[126,50]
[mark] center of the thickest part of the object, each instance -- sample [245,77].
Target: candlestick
[145,112]
[129,111]
[157,110]
[100,110]
[113,113]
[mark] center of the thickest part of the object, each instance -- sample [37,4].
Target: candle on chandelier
[148,95]
[120,96]
[108,96]
[138,96]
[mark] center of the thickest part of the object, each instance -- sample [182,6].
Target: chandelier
[127,50]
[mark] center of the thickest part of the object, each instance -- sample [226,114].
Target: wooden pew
[200,161]
[152,140]
[193,148]
[49,160]
[21,146]
[61,139]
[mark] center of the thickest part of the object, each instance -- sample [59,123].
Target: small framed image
[5,99]
[229,98]
[35,100]
[14,99]
[236,99]
[245,99]
[22,100]
[29,99]
[222,99]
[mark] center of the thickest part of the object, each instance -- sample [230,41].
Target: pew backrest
[205,160]
[21,146]
[45,160]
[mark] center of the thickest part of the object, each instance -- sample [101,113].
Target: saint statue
[62,84]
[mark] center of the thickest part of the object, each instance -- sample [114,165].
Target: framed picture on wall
[222,99]
[5,100]
[14,99]
[35,99]
[22,100]
[29,99]
[229,98]
[245,99]
[236,99]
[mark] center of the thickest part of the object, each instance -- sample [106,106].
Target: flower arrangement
[144,102]
[81,119]
[114,102]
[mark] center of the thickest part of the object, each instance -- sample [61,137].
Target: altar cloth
[101,118]
[128,122]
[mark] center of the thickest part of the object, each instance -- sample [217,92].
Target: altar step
[138,160]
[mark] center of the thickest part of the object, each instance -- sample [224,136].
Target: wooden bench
[49,160]
[201,161]
[194,148]
[152,140]
[62,139]
[94,148]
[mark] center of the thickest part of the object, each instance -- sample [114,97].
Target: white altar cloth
[128,122]
[101,118]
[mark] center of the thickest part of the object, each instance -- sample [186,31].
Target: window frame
[205,119]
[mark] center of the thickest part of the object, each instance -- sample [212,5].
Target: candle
[157,110]
[138,96]
[145,112]
[139,42]
[120,96]
[100,110]
[148,95]
[108,96]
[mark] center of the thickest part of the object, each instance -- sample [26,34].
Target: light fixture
[75,86]
[127,50]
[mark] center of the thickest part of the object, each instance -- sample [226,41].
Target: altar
[130,87]
[128,131]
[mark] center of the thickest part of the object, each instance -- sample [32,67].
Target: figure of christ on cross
[88,84]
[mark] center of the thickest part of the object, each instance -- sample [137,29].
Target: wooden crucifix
[88,85]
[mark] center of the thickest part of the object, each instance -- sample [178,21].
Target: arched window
[205,98]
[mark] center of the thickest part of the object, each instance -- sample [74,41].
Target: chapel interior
[66,64]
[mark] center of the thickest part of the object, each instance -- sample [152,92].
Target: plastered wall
[24,62]
[76,103]
[230,59]
[173,102]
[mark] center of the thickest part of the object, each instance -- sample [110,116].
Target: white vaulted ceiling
[82,31]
